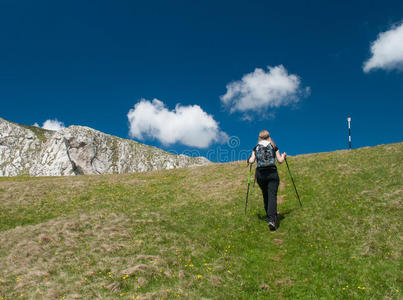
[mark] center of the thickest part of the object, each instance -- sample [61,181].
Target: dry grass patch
[60,250]
[96,255]
[284,281]
[34,191]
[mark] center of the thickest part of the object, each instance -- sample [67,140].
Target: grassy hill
[183,234]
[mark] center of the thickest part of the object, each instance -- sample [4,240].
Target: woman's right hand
[252,158]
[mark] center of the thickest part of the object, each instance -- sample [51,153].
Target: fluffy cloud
[387,51]
[262,89]
[51,125]
[188,125]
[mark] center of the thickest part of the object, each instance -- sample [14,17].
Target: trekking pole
[247,192]
[293,181]
[254,180]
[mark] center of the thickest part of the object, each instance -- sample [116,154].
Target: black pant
[268,180]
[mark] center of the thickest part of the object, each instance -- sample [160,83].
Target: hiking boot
[272,225]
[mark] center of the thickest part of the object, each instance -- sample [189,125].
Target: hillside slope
[77,150]
[183,234]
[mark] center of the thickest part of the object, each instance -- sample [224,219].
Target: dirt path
[280,198]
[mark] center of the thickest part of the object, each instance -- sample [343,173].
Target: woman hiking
[266,152]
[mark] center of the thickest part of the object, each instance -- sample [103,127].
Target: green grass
[183,234]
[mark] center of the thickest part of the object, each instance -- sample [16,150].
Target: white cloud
[188,125]
[387,51]
[51,125]
[259,90]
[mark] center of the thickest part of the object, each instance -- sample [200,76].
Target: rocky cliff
[29,150]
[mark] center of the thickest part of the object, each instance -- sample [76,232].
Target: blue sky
[89,64]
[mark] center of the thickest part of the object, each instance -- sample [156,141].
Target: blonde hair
[265,135]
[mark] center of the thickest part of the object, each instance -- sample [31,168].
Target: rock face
[29,150]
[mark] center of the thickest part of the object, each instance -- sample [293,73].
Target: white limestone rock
[28,150]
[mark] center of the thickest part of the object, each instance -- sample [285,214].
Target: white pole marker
[349,133]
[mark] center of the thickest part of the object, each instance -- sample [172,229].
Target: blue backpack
[265,155]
